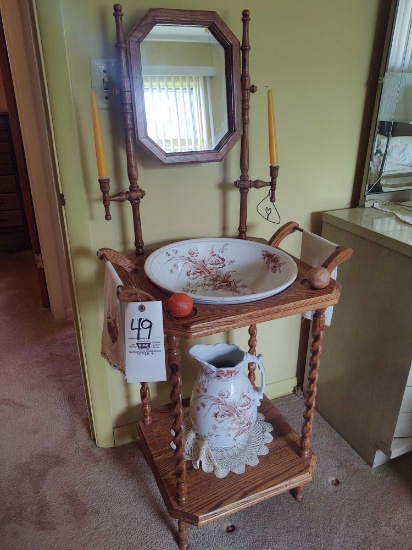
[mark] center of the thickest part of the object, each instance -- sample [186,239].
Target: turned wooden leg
[252,351]
[298,493]
[318,325]
[182,534]
[146,408]
[173,355]
[243,213]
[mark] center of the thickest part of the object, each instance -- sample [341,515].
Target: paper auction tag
[144,342]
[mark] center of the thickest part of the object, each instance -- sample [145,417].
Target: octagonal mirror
[185,74]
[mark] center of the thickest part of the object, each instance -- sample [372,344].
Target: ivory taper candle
[98,140]
[273,144]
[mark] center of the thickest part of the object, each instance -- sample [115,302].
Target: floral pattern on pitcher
[221,374]
[231,417]
[223,403]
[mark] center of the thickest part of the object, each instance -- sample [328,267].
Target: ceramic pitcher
[223,404]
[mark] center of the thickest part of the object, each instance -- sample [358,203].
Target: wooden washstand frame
[192,496]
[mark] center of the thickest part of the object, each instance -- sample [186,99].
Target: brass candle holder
[105,189]
[270,197]
[274,172]
[245,184]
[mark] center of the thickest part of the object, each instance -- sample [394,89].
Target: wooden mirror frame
[231,45]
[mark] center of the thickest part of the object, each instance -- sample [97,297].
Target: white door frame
[40,158]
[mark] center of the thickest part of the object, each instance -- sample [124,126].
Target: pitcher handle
[258,359]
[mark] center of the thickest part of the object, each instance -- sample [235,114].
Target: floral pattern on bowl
[221,270]
[207,271]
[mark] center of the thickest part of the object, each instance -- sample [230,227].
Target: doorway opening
[18,228]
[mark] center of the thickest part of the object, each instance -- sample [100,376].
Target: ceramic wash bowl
[217,271]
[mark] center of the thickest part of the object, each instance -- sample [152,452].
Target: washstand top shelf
[208,319]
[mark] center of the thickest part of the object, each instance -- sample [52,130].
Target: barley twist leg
[318,325]
[146,408]
[173,353]
[182,534]
[252,350]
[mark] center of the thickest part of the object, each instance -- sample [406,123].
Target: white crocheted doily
[232,459]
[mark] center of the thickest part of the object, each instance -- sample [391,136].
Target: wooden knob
[318,277]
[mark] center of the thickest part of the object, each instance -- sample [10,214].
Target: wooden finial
[318,277]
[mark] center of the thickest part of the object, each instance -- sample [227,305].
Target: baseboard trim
[281,388]
[122,435]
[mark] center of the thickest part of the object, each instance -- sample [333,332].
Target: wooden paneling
[9,201]
[14,234]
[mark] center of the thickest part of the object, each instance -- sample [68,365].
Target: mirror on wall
[390,161]
[185,72]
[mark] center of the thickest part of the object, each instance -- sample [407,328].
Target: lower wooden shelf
[210,498]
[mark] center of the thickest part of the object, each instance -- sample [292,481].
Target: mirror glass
[185,95]
[390,164]
[186,85]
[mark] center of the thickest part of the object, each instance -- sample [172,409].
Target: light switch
[104,78]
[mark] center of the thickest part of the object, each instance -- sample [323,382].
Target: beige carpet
[59,491]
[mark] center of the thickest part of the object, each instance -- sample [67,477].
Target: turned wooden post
[245,80]
[318,325]
[244,140]
[182,534]
[243,213]
[244,183]
[135,193]
[173,356]
[252,350]
[145,399]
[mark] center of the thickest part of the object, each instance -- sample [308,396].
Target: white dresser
[365,382]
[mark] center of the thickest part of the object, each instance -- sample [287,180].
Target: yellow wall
[314,55]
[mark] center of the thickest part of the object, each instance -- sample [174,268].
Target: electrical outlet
[104,77]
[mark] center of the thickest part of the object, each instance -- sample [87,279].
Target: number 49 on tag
[144,342]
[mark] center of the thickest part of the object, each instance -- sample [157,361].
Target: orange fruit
[180,304]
